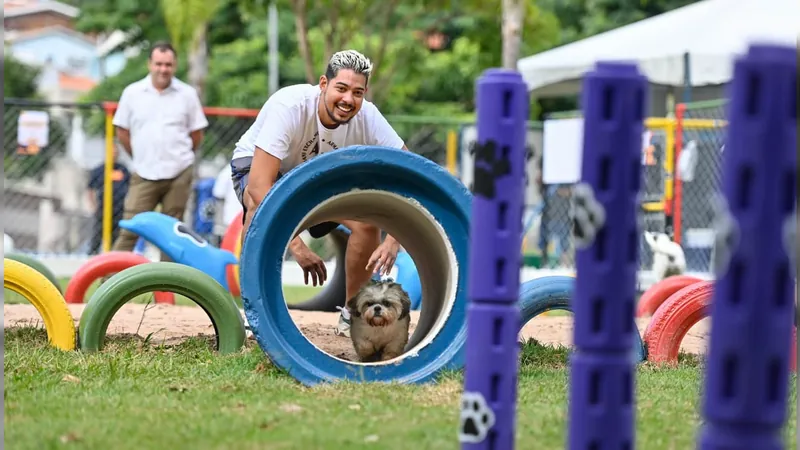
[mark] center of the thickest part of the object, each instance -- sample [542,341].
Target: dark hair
[163,46]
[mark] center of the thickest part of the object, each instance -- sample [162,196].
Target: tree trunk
[513,12]
[198,62]
[301,26]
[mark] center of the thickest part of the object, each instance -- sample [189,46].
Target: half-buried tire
[544,294]
[410,197]
[181,279]
[38,266]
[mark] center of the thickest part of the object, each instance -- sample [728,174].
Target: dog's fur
[668,257]
[380,318]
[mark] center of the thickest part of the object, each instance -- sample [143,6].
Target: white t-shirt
[288,127]
[223,190]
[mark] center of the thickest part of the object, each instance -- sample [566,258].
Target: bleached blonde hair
[348,59]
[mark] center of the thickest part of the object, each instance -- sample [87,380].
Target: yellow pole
[669,164]
[107,182]
[452,150]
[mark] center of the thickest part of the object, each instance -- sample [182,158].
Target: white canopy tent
[709,34]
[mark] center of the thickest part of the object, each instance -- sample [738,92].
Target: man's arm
[122,120]
[124,138]
[197,138]
[271,147]
[263,173]
[197,120]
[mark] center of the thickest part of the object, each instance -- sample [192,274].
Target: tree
[19,79]
[187,21]
[513,17]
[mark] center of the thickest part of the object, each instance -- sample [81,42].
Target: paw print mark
[488,169]
[477,418]
[726,237]
[790,237]
[588,215]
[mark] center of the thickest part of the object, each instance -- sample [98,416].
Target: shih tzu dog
[379,321]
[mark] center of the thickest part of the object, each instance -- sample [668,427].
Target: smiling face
[341,97]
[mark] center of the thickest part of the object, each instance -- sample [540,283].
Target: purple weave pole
[606,230]
[493,318]
[752,310]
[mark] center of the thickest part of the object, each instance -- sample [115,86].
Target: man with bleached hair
[298,123]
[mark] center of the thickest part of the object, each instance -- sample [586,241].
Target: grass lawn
[134,396]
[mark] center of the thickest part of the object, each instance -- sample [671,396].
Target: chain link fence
[700,137]
[54,171]
[49,152]
[549,228]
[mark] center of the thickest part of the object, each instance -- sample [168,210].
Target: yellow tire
[47,300]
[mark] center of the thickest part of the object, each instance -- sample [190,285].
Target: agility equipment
[103,265]
[178,241]
[38,266]
[48,301]
[410,197]
[659,292]
[193,283]
[745,391]
[550,293]
[676,316]
[488,404]
[614,100]
[231,241]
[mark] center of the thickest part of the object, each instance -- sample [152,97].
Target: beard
[332,114]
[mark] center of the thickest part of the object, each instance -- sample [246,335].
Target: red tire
[678,314]
[660,292]
[232,234]
[103,265]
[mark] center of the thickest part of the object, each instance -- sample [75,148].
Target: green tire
[38,266]
[181,279]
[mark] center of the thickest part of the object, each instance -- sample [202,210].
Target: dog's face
[380,303]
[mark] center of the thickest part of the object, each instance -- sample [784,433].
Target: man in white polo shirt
[159,122]
[296,124]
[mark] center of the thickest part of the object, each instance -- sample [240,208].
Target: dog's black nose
[377,309]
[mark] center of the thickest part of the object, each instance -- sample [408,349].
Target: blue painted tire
[291,199]
[544,294]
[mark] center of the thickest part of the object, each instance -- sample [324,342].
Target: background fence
[49,206]
[549,233]
[700,137]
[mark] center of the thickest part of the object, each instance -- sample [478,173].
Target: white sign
[563,150]
[33,130]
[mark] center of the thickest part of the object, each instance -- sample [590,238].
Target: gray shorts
[240,172]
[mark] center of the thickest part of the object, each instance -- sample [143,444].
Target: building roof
[75,83]
[17,36]
[18,8]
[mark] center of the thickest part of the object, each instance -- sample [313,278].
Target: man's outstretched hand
[384,257]
[311,263]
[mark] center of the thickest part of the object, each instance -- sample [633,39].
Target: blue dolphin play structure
[178,241]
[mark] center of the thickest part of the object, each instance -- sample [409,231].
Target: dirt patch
[170,324]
